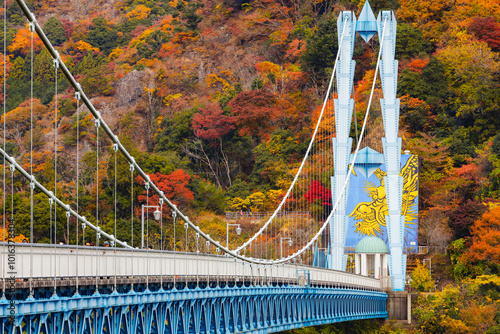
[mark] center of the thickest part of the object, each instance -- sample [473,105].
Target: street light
[290,243]
[157,215]
[238,232]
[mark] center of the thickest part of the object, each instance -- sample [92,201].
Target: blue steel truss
[257,309]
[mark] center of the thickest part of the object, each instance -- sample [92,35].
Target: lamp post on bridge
[157,215]
[238,232]
[290,243]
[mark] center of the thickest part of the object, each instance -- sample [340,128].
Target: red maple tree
[487,29]
[318,191]
[174,185]
[211,123]
[257,113]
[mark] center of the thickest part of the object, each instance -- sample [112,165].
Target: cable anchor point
[56,61]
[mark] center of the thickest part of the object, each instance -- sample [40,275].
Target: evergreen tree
[54,30]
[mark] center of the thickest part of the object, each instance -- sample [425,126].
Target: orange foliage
[479,318]
[84,46]
[22,42]
[295,49]
[182,37]
[279,37]
[422,10]
[326,129]
[4,235]
[437,18]
[8,64]
[415,103]
[151,63]
[140,12]
[486,238]
[364,88]
[222,81]
[466,10]
[80,31]
[7,61]
[256,113]
[166,24]
[417,65]
[78,50]
[39,161]
[174,186]
[278,77]
[467,172]
[168,49]
[21,115]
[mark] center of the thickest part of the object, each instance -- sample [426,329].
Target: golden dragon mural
[370,216]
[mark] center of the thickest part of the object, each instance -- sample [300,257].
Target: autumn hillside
[216,99]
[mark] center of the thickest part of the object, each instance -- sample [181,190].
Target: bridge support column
[357,264]
[377,266]
[392,149]
[364,265]
[342,143]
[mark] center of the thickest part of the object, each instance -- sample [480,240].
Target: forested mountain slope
[219,99]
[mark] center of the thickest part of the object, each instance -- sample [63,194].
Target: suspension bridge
[206,287]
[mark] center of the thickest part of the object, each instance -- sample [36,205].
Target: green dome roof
[371,244]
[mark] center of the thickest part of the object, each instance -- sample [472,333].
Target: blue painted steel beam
[262,309]
[342,143]
[392,149]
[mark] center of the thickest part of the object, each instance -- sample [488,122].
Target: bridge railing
[61,261]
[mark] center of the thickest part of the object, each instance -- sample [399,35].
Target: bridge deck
[67,262]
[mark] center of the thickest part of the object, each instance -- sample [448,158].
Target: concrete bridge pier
[399,305]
